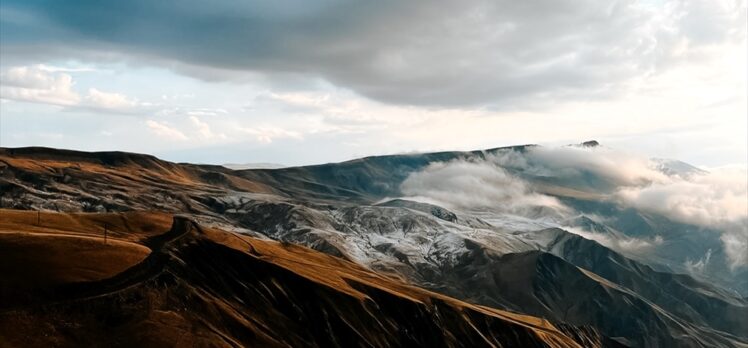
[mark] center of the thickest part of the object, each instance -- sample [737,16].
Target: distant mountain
[242,166]
[675,167]
[361,180]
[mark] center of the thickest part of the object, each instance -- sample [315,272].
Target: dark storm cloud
[409,52]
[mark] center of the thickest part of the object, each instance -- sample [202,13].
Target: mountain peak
[590,143]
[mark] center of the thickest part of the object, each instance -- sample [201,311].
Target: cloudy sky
[301,82]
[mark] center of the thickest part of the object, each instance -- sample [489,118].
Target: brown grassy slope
[207,287]
[64,180]
[129,226]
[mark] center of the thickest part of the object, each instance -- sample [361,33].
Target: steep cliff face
[195,286]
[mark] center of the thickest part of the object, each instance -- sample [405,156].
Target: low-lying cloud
[699,266]
[623,244]
[736,246]
[614,167]
[716,199]
[474,185]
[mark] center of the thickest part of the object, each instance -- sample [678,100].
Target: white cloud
[618,167]
[716,199]
[308,100]
[698,266]
[475,185]
[206,112]
[110,101]
[175,109]
[627,245]
[52,85]
[266,135]
[165,131]
[204,131]
[483,185]
[736,246]
[54,69]
[33,84]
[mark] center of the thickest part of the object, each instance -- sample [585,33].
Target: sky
[313,81]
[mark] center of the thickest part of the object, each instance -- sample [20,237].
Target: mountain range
[512,246]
